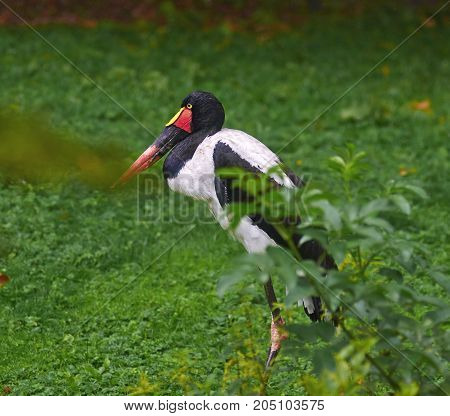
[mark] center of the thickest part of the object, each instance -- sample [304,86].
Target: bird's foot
[277,335]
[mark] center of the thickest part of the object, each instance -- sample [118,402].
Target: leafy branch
[398,333]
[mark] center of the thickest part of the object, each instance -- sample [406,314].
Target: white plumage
[196,179]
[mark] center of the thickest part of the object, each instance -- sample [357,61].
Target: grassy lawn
[66,325]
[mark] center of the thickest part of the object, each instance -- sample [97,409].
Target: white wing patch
[254,152]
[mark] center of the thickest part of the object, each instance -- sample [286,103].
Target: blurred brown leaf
[430,23]
[424,105]
[4,279]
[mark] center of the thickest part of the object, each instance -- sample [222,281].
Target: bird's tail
[312,250]
[313,308]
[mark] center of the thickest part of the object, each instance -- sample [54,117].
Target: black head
[208,113]
[201,112]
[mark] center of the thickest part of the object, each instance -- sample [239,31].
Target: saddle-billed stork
[198,147]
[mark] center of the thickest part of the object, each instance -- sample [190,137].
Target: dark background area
[252,14]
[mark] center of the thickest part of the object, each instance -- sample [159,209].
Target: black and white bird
[198,146]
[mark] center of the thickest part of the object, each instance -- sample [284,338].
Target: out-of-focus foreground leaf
[30,150]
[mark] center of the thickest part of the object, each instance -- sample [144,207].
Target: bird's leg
[276,332]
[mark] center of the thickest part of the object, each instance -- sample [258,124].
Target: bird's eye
[189,106]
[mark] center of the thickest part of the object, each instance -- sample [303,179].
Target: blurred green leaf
[331,214]
[32,151]
[391,274]
[401,202]
[312,333]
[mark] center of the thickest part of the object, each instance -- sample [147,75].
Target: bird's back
[235,148]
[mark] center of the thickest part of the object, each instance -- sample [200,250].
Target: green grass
[65,328]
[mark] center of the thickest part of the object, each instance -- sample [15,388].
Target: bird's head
[200,112]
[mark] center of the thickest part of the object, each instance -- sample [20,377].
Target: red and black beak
[176,130]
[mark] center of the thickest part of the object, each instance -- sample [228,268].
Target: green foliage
[345,374]
[389,333]
[348,165]
[68,249]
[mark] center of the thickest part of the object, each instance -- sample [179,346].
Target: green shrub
[391,338]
